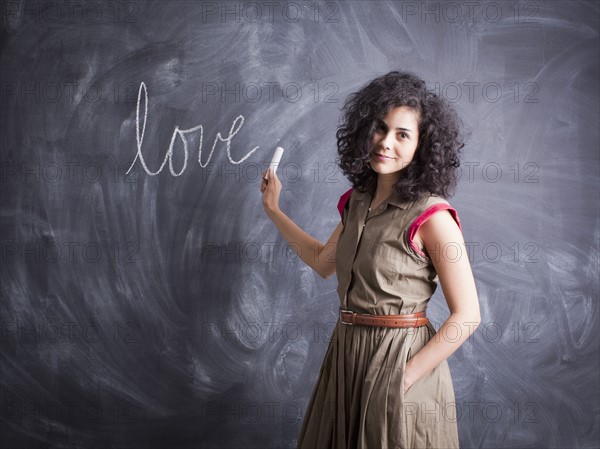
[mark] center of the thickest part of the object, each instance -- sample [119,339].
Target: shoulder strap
[430,207]
[343,200]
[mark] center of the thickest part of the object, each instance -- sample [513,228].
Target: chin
[385,168]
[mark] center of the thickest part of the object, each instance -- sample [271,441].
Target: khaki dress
[358,399]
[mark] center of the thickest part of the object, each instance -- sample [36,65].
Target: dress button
[362,203]
[381,207]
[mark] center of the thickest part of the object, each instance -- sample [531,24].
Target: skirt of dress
[358,401]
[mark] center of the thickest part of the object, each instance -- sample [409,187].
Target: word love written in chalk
[181,134]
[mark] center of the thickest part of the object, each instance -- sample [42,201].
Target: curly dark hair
[436,160]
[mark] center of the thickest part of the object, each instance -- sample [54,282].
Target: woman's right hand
[270,191]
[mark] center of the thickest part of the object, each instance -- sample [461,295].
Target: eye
[403,134]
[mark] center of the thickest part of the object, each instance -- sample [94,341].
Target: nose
[387,142]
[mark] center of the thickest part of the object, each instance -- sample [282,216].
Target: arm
[443,241]
[313,253]
[319,257]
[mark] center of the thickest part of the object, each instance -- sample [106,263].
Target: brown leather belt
[404,320]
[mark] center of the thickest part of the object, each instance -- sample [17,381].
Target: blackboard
[157,306]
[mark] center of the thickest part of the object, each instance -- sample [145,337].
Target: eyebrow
[397,128]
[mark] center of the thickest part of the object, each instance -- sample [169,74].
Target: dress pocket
[408,356]
[405,361]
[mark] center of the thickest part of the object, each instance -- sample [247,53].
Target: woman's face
[395,141]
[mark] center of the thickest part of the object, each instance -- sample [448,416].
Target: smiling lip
[381,157]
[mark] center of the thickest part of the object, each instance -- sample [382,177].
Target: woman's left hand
[406,385]
[408,380]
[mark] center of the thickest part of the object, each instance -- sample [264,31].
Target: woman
[385,381]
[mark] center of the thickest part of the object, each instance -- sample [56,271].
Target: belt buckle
[343,322]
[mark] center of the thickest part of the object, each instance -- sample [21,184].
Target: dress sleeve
[342,202]
[412,230]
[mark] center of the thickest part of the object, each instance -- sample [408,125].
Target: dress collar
[393,199]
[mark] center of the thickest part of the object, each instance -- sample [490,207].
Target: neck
[385,185]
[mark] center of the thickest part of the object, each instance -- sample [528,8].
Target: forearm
[451,335]
[308,248]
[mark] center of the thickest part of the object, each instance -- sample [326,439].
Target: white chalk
[275,161]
